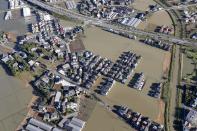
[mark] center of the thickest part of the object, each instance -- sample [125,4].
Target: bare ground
[160,117]
[77,45]
[166,63]
[86,108]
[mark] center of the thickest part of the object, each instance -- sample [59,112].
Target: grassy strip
[63,17]
[180,27]
[166,91]
[180,67]
[165,97]
[179,111]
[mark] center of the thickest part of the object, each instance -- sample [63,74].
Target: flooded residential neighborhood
[98,65]
[111,47]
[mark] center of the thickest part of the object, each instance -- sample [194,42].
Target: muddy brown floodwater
[103,120]
[111,46]
[14,98]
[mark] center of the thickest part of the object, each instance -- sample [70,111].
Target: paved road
[106,24]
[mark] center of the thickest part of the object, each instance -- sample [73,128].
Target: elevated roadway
[107,25]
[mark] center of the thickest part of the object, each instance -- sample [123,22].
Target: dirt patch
[166,63]
[3,49]
[160,117]
[86,108]
[77,45]
[25,77]
[17,14]
[157,19]
[11,37]
[61,4]
[142,5]
[151,27]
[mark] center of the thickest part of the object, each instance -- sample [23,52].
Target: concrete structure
[133,22]
[40,124]
[36,125]
[76,124]
[71,4]
[58,96]
[30,127]
[16,4]
[8,15]
[26,11]
[56,129]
